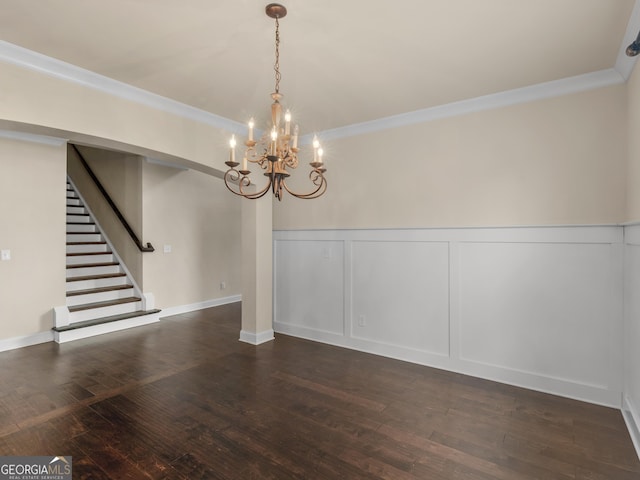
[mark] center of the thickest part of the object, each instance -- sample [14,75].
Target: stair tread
[80,223]
[108,303]
[91,265]
[80,254]
[100,321]
[96,277]
[89,291]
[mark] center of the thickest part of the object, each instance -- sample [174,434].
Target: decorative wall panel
[540,308]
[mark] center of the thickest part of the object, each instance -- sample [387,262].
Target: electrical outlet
[223,285]
[362,321]
[5,254]
[167,249]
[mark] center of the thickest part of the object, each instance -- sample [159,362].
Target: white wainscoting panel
[400,294]
[540,308]
[632,333]
[309,286]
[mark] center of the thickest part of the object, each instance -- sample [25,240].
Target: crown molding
[29,59]
[516,96]
[33,138]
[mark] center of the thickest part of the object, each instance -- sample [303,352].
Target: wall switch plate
[167,249]
[5,254]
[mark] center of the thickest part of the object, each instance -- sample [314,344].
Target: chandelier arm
[318,179]
[244,181]
[255,195]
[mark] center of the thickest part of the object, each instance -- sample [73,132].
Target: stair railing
[125,224]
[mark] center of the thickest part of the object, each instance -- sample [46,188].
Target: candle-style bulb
[232,153]
[287,122]
[251,125]
[316,142]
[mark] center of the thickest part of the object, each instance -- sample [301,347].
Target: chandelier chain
[276,66]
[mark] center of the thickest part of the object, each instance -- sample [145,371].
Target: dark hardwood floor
[184,399]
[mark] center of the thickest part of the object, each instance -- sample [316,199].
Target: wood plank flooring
[184,399]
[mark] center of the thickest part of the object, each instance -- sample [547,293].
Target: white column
[257,277]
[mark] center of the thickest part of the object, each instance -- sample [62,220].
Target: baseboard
[177,310]
[26,341]
[256,338]
[48,336]
[598,395]
[632,419]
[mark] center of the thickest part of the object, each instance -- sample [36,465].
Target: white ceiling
[342,61]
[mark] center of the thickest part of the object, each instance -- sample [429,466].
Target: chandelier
[277,149]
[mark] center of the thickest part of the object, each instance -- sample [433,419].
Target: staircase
[102,296]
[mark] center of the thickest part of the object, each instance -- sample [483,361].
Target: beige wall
[555,161]
[200,219]
[192,211]
[53,106]
[633,175]
[550,162]
[121,176]
[32,226]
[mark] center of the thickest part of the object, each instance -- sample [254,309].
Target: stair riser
[70,335]
[99,297]
[96,283]
[86,248]
[71,194]
[71,202]
[78,219]
[93,313]
[75,210]
[84,259]
[82,228]
[85,237]
[84,271]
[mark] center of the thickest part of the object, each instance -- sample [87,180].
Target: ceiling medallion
[277,148]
